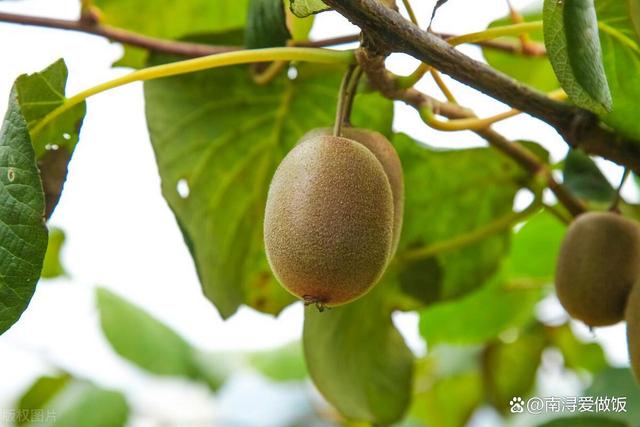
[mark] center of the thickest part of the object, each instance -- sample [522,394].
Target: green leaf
[449,401]
[38,395]
[152,345]
[573,45]
[634,12]
[541,235]
[584,421]
[618,382]
[448,194]
[303,8]
[621,56]
[481,315]
[38,94]
[52,266]
[226,161]
[509,369]
[576,353]
[298,27]
[583,177]
[535,71]
[285,363]
[81,404]
[23,235]
[170,19]
[266,24]
[358,360]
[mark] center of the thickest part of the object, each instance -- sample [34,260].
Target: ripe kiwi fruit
[632,316]
[598,264]
[328,226]
[380,146]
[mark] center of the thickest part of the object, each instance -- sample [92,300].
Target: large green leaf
[509,369]
[449,194]
[358,360]
[81,404]
[621,56]
[38,94]
[218,138]
[535,71]
[170,19]
[285,363]
[23,235]
[266,24]
[571,38]
[150,344]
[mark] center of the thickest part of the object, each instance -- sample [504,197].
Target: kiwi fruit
[598,264]
[632,316]
[380,146]
[328,226]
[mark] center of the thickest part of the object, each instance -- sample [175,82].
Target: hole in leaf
[292,73]
[11,174]
[66,136]
[183,188]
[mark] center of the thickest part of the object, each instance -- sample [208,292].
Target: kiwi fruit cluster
[598,271]
[334,214]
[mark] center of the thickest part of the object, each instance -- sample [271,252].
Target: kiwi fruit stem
[345,98]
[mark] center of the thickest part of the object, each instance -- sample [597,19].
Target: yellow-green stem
[494,33]
[474,236]
[324,56]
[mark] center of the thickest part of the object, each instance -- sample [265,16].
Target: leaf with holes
[23,235]
[222,163]
[571,38]
[38,94]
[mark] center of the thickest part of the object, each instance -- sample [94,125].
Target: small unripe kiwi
[632,316]
[598,264]
[380,146]
[328,224]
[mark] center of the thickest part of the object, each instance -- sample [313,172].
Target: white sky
[122,235]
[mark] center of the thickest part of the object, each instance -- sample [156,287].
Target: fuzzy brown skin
[380,146]
[632,317]
[329,221]
[598,264]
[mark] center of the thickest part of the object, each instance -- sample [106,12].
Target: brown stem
[387,31]
[383,81]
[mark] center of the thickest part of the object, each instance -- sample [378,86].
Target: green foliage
[170,19]
[150,344]
[303,8]
[509,368]
[285,363]
[38,94]
[39,394]
[577,354]
[621,56]
[583,177]
[227,164]
[358,360]
[266,24]
[446,197]
[571,38]
[532,70]
[23,235]
[52,266]
[81,404]
[584,421]
[618,382]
